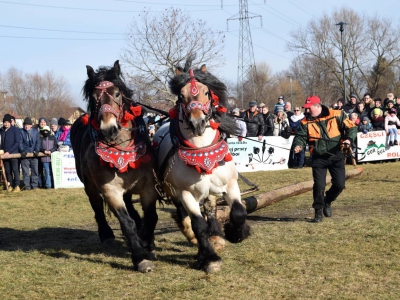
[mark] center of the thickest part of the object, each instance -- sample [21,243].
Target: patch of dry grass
[49,248]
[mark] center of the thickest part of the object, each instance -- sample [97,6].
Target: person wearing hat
[240,123]
[377,105]
[48,144]
[281,103]
[377,120]
[324,129]
[53,126]
[254,121]
[63,134]
[391,121]
[350,106]
[365,125]
[29,143]
[9,141]
[281,124]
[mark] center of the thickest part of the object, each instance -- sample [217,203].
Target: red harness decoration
[121,158]
[205,159]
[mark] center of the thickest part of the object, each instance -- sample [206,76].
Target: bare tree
[157,43]
[366,41]
[264,82]
[36,95]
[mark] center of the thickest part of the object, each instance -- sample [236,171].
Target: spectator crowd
[45,137]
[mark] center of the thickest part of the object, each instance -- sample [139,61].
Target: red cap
[311,101]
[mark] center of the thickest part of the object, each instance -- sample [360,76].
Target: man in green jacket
[327,132]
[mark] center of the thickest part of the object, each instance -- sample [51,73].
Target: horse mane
[226,123]
[104,74]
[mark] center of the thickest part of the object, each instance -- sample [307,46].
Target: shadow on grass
[81,244]
[280,219]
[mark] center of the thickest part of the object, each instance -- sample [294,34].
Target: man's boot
[327,209]
[318,216]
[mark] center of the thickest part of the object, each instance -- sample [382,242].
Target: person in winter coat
[294,122]
[240,123]
[324,130]
[63,134]
[280,103]
[365,125]
[377,121]
[254,121]
[29,143]
[268,121]
[281,123]
[48,144]
[350,106]
[9,140]
[391,121]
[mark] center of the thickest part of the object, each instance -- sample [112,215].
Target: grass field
[49,248]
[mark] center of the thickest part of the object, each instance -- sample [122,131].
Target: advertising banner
[269,154]
[374,145]
[64,171]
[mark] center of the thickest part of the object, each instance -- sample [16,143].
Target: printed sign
[64,171]
[251,155]
[374,145]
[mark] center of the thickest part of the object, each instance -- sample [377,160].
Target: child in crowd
[364,126]
[48,144]
[377,119]
[391,121]
[354,118]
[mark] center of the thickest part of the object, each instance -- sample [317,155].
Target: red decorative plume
[85,119]
[214,125]
[95,124]
[215,99]
[221,109]
[137,110]
[173,113]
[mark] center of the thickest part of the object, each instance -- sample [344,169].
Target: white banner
[374,145]
[269,154]
[64,171]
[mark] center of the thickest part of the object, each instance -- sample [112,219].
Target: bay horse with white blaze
[195,164]
[114,160]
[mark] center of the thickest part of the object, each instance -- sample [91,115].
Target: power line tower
[246,63]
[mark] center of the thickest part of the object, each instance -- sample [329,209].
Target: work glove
[23,154]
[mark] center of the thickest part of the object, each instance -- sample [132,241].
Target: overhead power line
[94,9]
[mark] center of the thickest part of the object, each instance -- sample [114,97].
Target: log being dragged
[254,203]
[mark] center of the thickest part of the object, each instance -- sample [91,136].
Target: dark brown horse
[114,160]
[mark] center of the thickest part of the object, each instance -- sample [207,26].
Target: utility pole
[291,93]
[341,28]
[246,62]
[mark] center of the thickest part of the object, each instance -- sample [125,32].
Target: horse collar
[120,157]
[203,159]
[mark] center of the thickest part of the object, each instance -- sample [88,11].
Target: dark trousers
[12,171]
[336,168]
[30,172]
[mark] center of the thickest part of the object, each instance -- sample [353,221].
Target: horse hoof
[109,243]
[217,242]
[193,241]
[213,266]
[145,266]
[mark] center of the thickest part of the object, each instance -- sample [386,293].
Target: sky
[65,36]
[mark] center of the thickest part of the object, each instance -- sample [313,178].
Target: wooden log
[254,203]
[18,155]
